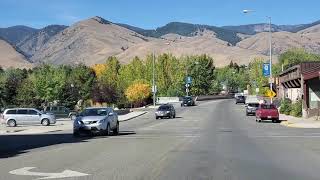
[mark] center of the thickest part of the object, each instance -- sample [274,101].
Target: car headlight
[101,121]
[168,112]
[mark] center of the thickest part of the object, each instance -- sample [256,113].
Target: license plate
[269,117]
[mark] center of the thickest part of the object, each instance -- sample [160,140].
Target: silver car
[26,116]
[96,120]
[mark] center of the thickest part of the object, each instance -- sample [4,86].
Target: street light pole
[270,47]
[153,80]
[270,53]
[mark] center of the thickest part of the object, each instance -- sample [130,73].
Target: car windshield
[268,106]
[95,112]
[187,98]
[163,108]
[253,105]
[241,97]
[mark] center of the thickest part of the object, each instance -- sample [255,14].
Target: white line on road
[65,174]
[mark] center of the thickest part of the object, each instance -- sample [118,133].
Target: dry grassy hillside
[9,57]
[90,41]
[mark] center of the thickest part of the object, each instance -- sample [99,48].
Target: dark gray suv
[166,110]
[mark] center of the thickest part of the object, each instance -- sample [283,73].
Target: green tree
[296,56]
[201,69]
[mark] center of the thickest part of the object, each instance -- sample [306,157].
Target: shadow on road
[13,145]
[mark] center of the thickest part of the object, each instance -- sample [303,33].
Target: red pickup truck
[267,112]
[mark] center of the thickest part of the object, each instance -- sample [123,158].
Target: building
[302,82]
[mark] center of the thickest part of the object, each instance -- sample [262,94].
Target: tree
[103,93]
[296,56]
[99,69]
[13,78]
[138,92]
[201,69]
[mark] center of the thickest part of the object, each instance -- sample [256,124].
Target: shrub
[296,109]
[285,107]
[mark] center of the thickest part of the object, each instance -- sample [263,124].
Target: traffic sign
[270,93]
[189,80]
[266,69]
[154,89]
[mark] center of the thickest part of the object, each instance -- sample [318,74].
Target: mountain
[89,41]
[93,40]
[186,29]
[9,57]
[36,40]
[15,34]
[252,29]
[204,42]
[281,42]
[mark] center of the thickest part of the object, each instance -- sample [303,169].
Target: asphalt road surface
[211,141]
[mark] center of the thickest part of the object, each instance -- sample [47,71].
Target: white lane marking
[65,174]
[280,136]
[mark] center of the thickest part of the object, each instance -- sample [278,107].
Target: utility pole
[270,53]
[153,80]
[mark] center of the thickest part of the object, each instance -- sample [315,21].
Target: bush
[296,109]
[285,107]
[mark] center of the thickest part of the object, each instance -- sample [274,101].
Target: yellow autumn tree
[138,92]
[99,69]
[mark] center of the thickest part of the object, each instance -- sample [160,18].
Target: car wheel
[116,130]
[174,116]
[107,131]
[76,134]
[12,123]
[73,117]
[157,117]
[45,122]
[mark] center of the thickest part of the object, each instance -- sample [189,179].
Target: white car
[100,120]
[26,116]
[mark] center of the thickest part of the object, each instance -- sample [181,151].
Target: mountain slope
[281,41]
[35,41]
[204,43]
[9,57]
[186,29]
[252,29]
[90,41]
[15,34]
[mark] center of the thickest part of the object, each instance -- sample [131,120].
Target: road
[214,140]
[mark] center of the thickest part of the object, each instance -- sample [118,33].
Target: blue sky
[154,13]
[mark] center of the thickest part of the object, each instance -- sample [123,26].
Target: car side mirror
[111,114]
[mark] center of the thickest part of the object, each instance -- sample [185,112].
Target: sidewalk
[131,115]
[294,122]
[61,125]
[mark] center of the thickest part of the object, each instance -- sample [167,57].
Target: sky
[150,14]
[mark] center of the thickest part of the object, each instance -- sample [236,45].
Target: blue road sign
[266,69]
[189,80]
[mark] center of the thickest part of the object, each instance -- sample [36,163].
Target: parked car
[240,99]
[26,116]
[187,101]
[251,108]
[61,112]
[166,110]
[267,112]
[96,120]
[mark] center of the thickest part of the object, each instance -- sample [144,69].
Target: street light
[270,45]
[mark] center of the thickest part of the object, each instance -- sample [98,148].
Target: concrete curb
[300,125]
[142,113]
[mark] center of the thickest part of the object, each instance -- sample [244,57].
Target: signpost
[188,82]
